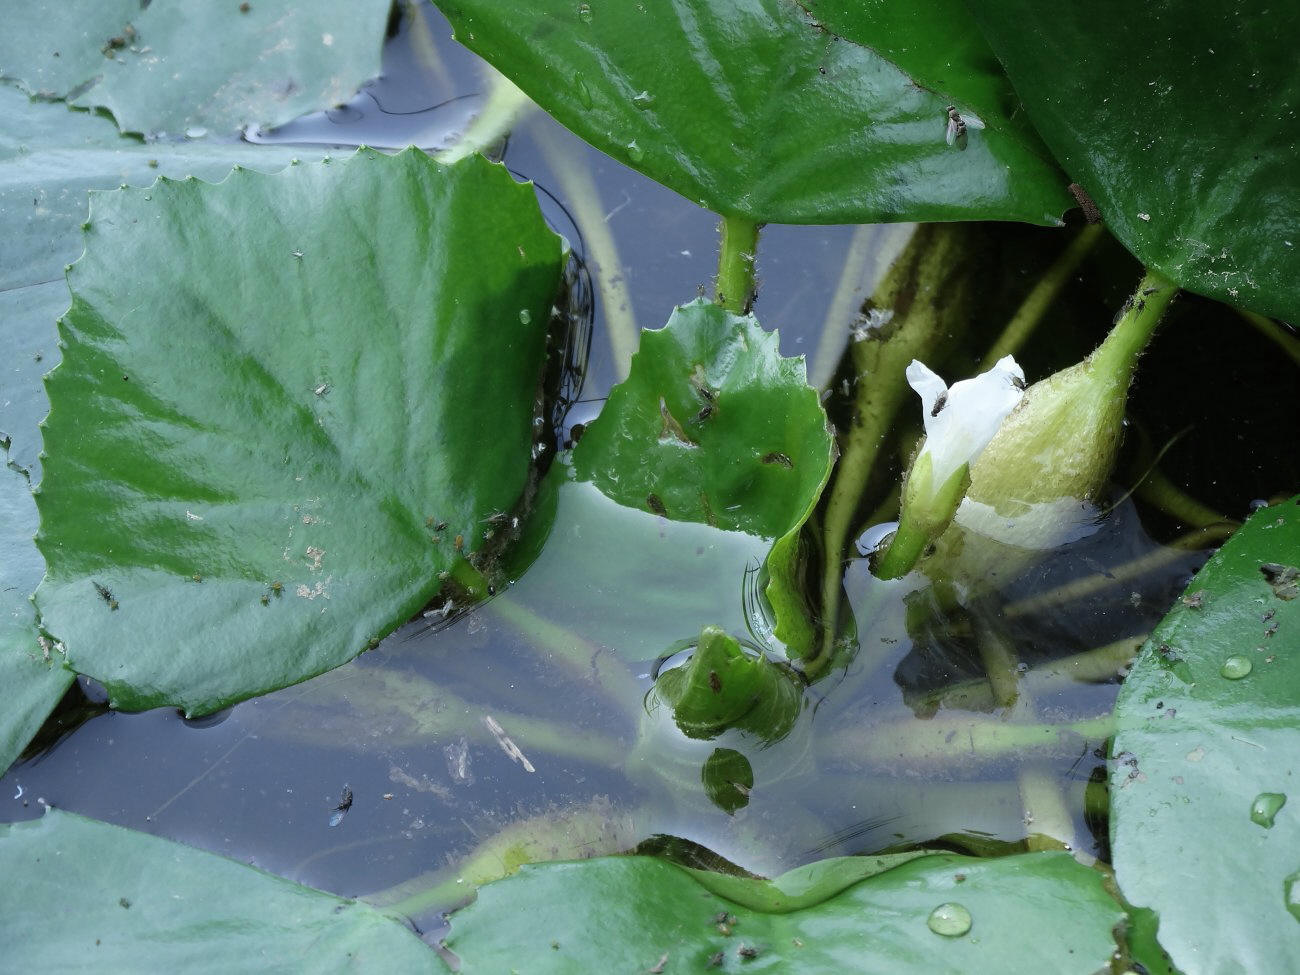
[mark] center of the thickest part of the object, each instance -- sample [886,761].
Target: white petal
[928,385]
[964,424]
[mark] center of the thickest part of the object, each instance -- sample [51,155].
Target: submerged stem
[503,108]
[1040,297]
[735,289]
[1275,333]
[576,183]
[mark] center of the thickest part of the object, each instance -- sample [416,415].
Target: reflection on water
[530,713]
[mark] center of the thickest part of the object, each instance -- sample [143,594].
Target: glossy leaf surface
[1184,134]
[31,684]
[751,108]
[50,157]
[98,896]
[253,448]
[633,913]
[1209,726]
[712,425]
[171,67]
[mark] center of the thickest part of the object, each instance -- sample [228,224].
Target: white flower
[960,422]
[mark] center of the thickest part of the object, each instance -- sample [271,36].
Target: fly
[956,128]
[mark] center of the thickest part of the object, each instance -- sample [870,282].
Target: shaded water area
[534,704]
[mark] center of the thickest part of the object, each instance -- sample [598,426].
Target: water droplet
[195,132]
[1291,894]
[584,93]
[643,99]
[634,152]
[1265,807]
[1236,667]
[525,316]
[950,920]
[584,12]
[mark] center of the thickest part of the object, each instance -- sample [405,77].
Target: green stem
[927,291]
[1000,659]
[950,742]
[580,192]
[1098,664]
[737,259]
[1274,332]
[1040,297]
[1157,490]
[1137,323]
[584,661]
[1082,588]
[502,110]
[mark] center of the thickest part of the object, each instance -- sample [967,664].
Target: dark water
[560,662]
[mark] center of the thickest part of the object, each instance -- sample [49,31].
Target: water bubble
[1265,807]
[635,152]
[196,132]
[584,93]
[525,316]
[584,12]
[1291,894]
[950,920]
[1236,667]
[643,99]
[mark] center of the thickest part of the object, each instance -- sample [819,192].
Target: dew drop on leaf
[635,152]
[584,93]
[950,920]
[525,316]
[1236,667]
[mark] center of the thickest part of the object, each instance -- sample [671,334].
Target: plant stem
[1157,490]
[1275,333]
[1000,659]
[583,660]
[1080,588]
[1090,666]
[582,196]
[503,108]
[946,742]
[735,289]
[1040,297]
[926,291]
[1137,322]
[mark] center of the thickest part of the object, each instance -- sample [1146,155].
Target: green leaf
[721,686]
[49,157]
[252,448]
[1196,751]
[1183,134]
[170,67]
[1034,913]
[84,893]
[32,685]
[712,425]
[752,109]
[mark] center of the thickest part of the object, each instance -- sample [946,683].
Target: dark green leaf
[1182,129]
[81,894]
[1197,754]
[1034,913]
[721,686]
[252,448]
[712,425]
[49,157]
[752,109]
[169,67]
[31,684]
